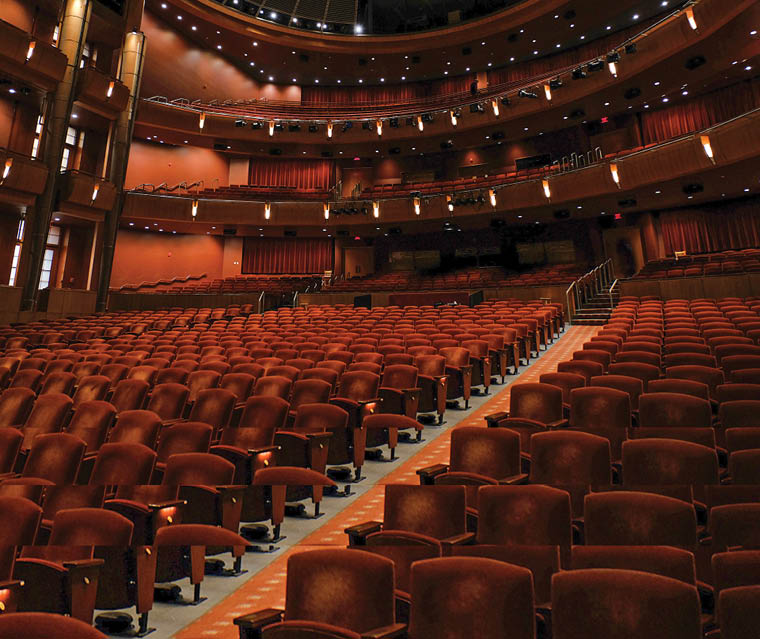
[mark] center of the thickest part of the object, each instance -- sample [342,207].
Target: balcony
[21,178]
[101,93]
[82,192]
[30,60]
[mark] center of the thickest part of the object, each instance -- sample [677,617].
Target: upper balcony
[22,178]
[101,93]
[30,60]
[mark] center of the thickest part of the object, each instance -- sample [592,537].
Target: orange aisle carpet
[267,588]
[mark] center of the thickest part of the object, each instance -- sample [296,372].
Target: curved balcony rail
[264,110]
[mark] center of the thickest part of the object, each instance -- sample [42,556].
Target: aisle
[266,588]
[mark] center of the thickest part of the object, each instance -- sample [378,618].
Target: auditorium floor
[263,585]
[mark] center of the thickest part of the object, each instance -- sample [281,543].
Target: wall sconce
[202,121]
[453,118]
[271,128]
[705,140]
[267,210]
[495,107]
[95,191]
[326,208]
[30,50]
[329,129]
[613,69]
[492,197]
[615,174]
[109,92]
[548,92]
[379,127]
[547,190]
[376,209]
[7,168]
[450,203]
[195,209]
[690,18]
[420,124]
[416,206]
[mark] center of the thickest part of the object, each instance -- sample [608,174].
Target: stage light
[556,83]
[492,197]
[239,124]
[527,94]
[326,209]
[547,190]
[579,74]
[376,209]
[705,140]
[416,206]
[267,210]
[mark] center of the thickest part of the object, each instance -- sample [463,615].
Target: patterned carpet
[266,589]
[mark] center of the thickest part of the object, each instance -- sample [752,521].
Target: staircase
[591,298]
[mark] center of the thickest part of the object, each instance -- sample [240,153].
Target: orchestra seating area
[461,279]
[624,480]
[698,265]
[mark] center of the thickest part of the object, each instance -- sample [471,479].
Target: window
[38,135]
[74,142]
[16,253]
[53,240]
[85,55]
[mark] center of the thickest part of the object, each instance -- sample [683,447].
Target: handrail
[612,287]
[595,282]
[261,302]
[295,299]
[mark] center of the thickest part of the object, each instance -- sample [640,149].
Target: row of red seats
[747,260]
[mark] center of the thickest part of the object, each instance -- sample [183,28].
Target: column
[73,33]
[133,55]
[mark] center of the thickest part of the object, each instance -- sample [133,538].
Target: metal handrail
[595,282]
[295,299]
[261,302]
[612,288]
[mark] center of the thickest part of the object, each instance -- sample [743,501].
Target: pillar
[133,56]
[73,34]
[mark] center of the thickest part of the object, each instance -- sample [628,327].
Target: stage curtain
[706,230]
[700,113]
[298,174]
[287,255]
[386,95]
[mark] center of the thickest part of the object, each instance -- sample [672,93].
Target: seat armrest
[706,597]
[357,535]
[250,625]
[264,449]
[560,423]
[387,632]
[462,539]
[429,473]
[493,419]
[83,564]
[514,480]
[374,400]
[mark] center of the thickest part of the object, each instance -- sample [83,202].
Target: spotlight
[505,100]
[477,108]
[313,128]
[556,83]
[596,65]
[347,126]
[613,57]
[393,122]
[579,74]
[256,125]
[240,124]
[294,128]
[630,48]
[527,94]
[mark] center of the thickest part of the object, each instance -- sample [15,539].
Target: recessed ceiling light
[382,79]
[194,28]
[316,81]
[608,27]
[163,5]
[583,37]
[255,44]
[273,15]
[131,223]
[219,46]
[635,16]
[271,78]
[511,59]
[748,68]
[179,17]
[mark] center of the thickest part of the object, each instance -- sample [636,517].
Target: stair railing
[612,292]
[596,282]
[261,302]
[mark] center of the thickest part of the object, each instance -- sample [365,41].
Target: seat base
[121,624]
